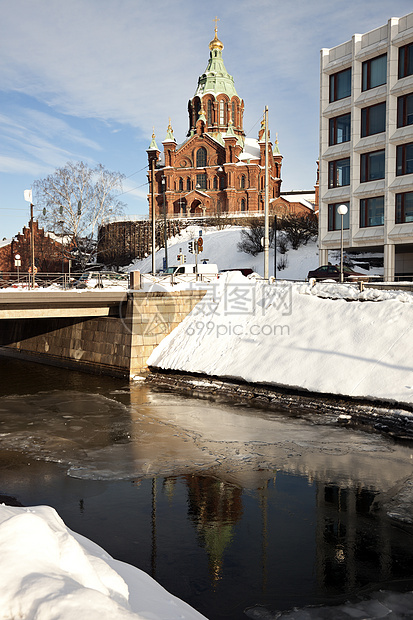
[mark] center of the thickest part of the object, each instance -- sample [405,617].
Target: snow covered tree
[76,201]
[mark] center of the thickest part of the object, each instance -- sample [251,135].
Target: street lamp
[17,263]
[164,223]
[341,210]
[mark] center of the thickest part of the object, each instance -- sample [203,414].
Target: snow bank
[51,573]
[288,334]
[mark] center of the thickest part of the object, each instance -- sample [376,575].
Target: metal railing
[63,281]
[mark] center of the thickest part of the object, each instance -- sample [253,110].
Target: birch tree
[76,200]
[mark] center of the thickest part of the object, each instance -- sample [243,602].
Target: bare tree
[299,229]
[76,201]
[251,237]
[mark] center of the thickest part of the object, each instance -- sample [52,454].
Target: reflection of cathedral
[216,169]
[215,507]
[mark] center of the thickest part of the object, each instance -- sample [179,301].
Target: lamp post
[341,210]
[165,234]
[17,263]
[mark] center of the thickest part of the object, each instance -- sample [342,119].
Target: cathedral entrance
[197,209]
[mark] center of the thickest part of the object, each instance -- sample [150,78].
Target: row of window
[372,166]
[372,212]
[224,111]
[373,73]
[373,120]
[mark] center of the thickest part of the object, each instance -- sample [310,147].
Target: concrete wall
[115,345]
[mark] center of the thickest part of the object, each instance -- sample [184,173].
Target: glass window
[215,182]
[242,182]
[201,157]
[374,72]
[404,159]
[406,60]
[339,172]
[201,180]
[340,127]
[233,112]
[405,110]
[373,119]
[222,181]
[243,204]
[181,185]
[372,211]
[209,112]
[372,166]
[221,113]
[404,208]
[340,85]
[188,184]
[334,218]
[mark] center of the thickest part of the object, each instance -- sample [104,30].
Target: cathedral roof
[216,79]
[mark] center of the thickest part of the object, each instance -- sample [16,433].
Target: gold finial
[276,138]
[216,43]
[153,132]
[169,126]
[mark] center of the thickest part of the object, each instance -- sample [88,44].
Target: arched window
[201,181]
[243,205]
[215,182]
[242,182]
[188,184]
[201,157]
[221,113]
[222,182]
[181,185]
[209,112]
[233,112]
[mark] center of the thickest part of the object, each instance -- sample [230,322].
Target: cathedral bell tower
[216,101]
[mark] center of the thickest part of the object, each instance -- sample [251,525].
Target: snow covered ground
[220,247]
[49,572]
[293,335]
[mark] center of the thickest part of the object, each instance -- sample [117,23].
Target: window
[188,184]
[374,72]
[209,112]
[201,180]
[221,113]
[404,159]
[181,185]
[404,208]
[405,110]
[340,129]
[201,157]
[242,181]
[339,172]
[406,60]
[243,205]
[233,112]
[340,85]
[373,119]
[372,212]
[334,218]
[222,181]
[215,182]
[372,166]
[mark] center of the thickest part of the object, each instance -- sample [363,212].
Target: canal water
[239,512]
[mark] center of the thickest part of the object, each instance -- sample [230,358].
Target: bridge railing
[64,281]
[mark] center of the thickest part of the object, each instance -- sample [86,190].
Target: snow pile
[352,292]
[51,573]
[273,333]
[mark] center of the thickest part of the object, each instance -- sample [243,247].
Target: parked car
[245,271]
[332,272]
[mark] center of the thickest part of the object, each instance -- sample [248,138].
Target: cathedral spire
[216,79]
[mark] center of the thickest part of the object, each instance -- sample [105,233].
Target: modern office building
[366,145]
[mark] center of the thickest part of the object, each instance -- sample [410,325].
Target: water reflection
[229,508]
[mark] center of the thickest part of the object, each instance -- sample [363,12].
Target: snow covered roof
[5,242]
[307,200]
[251,150]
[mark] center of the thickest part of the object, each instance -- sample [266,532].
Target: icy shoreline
[299,337]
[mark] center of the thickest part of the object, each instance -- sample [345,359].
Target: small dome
[216,44]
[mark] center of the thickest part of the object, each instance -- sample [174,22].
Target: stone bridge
[99,331]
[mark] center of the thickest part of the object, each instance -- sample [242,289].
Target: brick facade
[47,252]
[216,169]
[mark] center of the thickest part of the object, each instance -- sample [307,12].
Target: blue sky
[89,79]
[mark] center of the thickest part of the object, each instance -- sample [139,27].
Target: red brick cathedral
[216,170]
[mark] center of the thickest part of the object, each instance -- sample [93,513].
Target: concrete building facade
[366,145]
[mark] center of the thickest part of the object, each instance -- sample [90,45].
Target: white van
[202,271]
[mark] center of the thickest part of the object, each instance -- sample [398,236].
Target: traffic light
[200,243]
[191,247]
[178,258]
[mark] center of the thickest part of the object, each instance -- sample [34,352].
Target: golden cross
[216,20]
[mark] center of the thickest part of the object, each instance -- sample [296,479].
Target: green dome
[216,78]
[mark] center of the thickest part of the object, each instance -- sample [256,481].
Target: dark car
[332,272]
